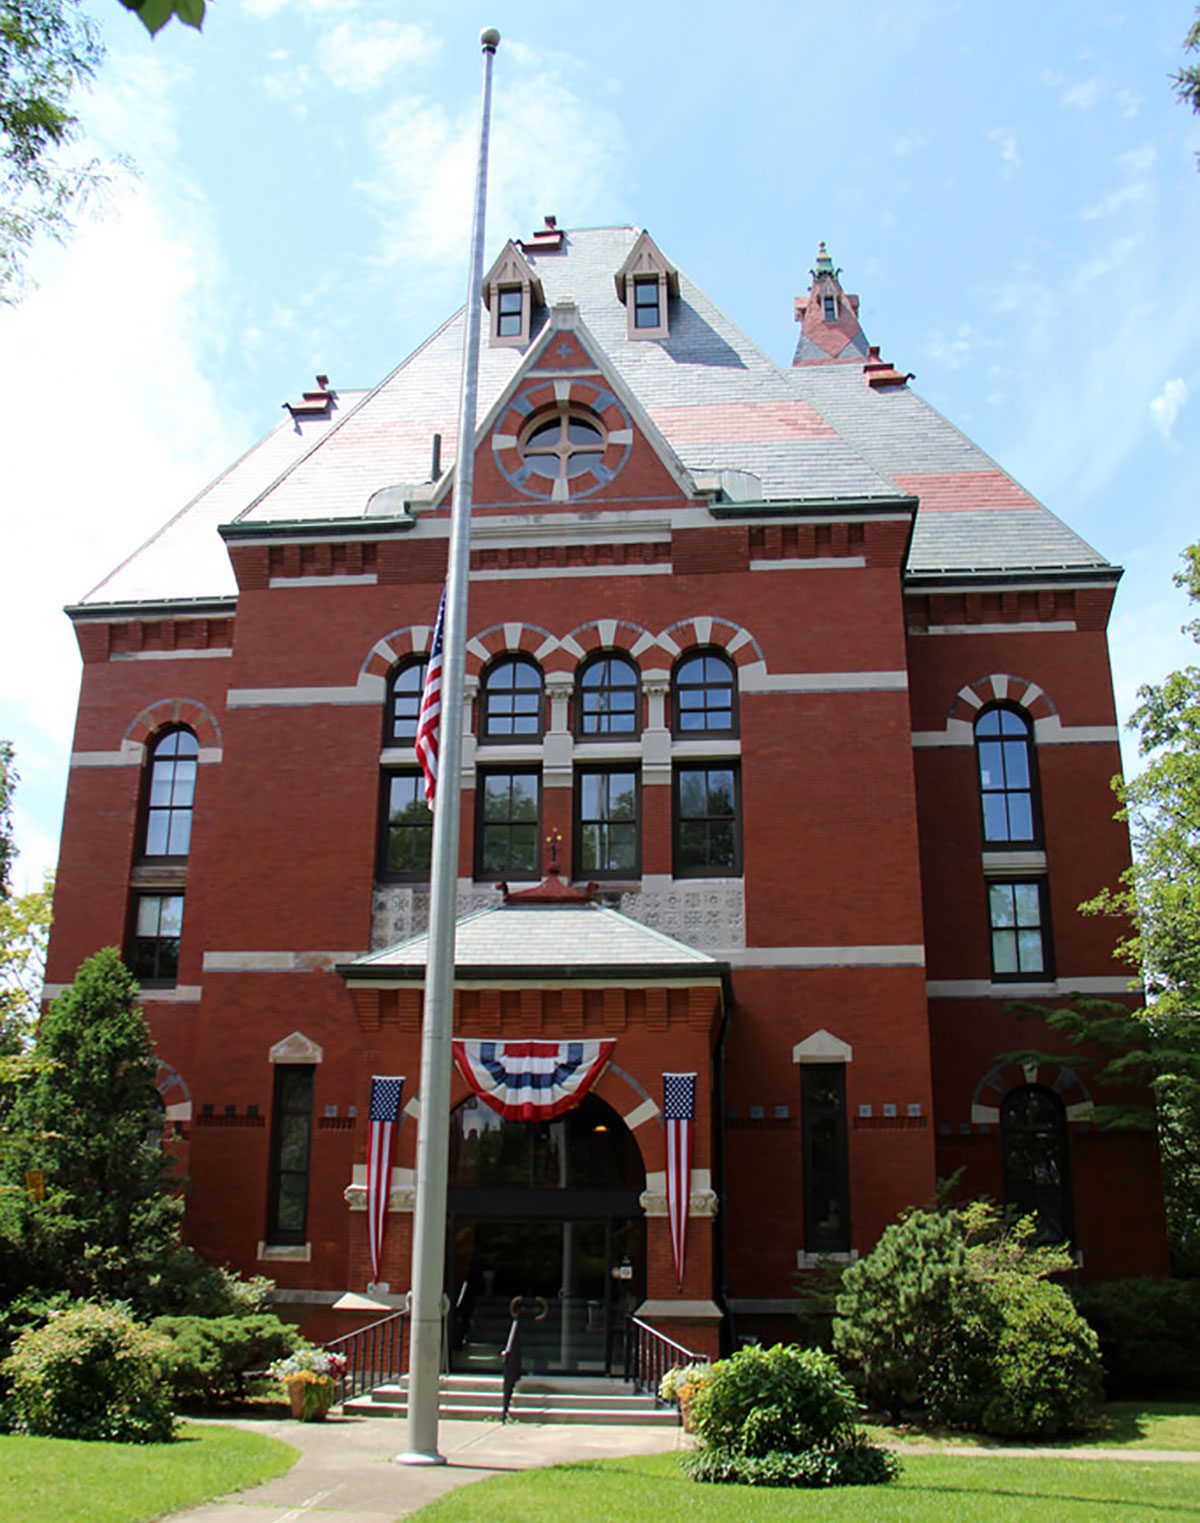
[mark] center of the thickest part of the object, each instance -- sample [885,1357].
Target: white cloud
[262,8]
[1166,406]
[1138,161]
[954,350]
[360,58]
[1006,142]
[1084,95]
[1129,102]
[903,146]
[1114,201]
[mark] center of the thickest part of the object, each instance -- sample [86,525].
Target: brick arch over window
[1001,1080]
[174,1093]
[618,635]
[189,712]
[1001,687]
[397,646]
[714,633]
[510,639]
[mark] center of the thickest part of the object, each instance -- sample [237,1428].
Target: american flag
[430,713]
[679,1113]
[383,1116]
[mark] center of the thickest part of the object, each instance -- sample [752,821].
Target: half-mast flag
[429,715]
[384,1119]
[679,1114]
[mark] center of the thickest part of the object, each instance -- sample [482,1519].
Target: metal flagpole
[429,1217]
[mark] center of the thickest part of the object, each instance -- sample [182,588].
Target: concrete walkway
[346,1471]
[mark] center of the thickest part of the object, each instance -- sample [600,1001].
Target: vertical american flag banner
[679,1115]
[384,1120]
[429,715]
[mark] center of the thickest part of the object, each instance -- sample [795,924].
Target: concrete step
[538,1398]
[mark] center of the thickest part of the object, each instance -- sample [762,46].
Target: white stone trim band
[825,957]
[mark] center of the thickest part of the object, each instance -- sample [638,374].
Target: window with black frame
[406,832]
[608,698]
[708,837]
[1007,782]
[170,794]
[291,1147]
[826,1163]
[157,933]
[507,823]
[511,701]
[1019,930]
[1033,1131]
[607,827]
[704,696]
[404,703]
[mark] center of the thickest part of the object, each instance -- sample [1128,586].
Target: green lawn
[1122,1425]
[55,1480]
[933,1489]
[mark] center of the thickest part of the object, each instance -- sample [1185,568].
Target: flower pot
[310,1399]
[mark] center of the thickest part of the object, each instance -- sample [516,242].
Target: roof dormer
[510,289]
[645,282]
[828,318]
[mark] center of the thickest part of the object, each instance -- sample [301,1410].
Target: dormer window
[511,290]
[645,283]
[510,311]
[647,307]
[829,304]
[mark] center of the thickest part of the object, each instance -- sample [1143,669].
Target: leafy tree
[154,14]
[24,929]
[1187,81]
[48,48]
[8,780]
[87,1121]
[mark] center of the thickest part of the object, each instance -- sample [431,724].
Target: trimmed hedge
[208,1358]
[852,1463]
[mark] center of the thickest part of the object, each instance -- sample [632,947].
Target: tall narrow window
[507,825]
[607,838]
[1033,1131]
[291,1144]
[512,700]
[510,312]
[157,930]
[1020,944]
[708,838]
[608,697]
[704,696]
[404,703]
[170,794]
[826,1168]
[1004,749]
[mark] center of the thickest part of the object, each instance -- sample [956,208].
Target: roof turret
[828,318]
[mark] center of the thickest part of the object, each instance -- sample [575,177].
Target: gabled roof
[529,940]
[817,433]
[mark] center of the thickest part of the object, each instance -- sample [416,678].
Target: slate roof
[816,432]
[566,938]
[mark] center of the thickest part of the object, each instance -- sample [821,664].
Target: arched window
[511,701]
[704,696]
[169,794]
[1007,787]
[404,702]
[608,697]
[1033,1132]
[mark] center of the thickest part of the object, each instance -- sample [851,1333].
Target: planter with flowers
[680,1386]
[310,1375]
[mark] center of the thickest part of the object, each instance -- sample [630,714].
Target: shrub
[782,1398]
[1149,1332]
[895,1305]
[854,1462]
[91,1373]
[208,1357]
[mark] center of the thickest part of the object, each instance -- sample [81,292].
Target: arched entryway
[547,1211]
[1033,1129]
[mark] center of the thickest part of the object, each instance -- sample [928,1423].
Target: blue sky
[1012,189]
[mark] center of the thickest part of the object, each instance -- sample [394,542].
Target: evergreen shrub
[1149,1332]
[208,1358]
[90,1373]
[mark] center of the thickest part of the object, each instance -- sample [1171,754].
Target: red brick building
[814,694]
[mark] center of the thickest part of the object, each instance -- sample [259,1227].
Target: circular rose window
[566,445]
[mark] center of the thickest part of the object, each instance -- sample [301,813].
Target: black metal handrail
[649,1354]
[373,1355]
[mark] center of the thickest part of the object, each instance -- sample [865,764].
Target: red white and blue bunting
[532,1081]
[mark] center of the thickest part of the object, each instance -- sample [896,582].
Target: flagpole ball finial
[489,39]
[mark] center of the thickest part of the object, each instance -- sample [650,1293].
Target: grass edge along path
[56,1480]
[933,1489]
[1129,1425]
